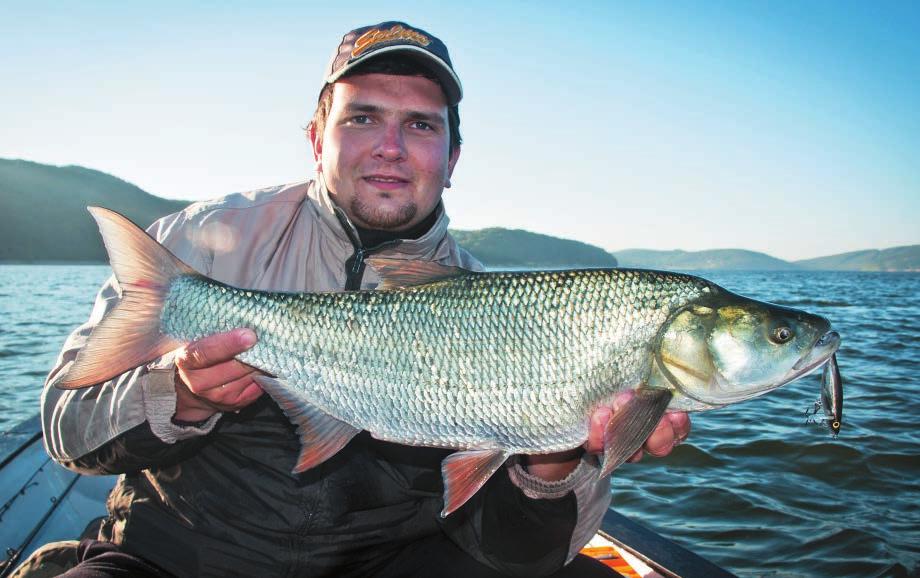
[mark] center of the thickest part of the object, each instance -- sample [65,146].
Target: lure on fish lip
[830,400]
[832,395]
[489,364]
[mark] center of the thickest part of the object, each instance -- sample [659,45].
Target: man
[206,458]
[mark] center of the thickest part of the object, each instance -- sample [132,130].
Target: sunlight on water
[754,488]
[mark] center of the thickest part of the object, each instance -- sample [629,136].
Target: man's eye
[420,124]
[360,119]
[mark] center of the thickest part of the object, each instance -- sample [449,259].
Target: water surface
[754,488]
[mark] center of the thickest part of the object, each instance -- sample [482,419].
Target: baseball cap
[363,44]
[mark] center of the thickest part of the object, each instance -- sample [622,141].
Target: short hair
[397,66]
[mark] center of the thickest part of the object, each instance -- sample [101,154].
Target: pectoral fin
[465,473]
[321,435]
[631,425]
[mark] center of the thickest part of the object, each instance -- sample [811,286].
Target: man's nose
[392,144]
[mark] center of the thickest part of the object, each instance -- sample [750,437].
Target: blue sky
[791,128]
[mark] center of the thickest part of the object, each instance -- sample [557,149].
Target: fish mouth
[819,354]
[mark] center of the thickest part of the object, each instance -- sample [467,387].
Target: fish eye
[781,335]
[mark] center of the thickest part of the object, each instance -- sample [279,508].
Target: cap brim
[450,82]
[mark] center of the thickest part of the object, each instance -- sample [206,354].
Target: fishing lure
[831,399]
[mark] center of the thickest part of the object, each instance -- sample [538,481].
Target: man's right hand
[209,379]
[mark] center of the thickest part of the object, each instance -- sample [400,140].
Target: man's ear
[451,163]
[317,141]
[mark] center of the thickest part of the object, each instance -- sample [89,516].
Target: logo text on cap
[376,36]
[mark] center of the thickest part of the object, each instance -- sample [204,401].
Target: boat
[42,502]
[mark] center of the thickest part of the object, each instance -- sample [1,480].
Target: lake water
[753,489]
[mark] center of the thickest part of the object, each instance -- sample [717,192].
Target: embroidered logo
[375,36]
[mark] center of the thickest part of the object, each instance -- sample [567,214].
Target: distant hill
[43,213]
[725,259]
[497,247]
[43,218]
[905,258]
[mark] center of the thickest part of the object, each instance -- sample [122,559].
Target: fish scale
[453,363]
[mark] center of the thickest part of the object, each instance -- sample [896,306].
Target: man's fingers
[231,396]
[662,439]
[200,381]
[215,349]
[250,394]
[209,378]
[241,392]
[228,394]
[680,422]
[599,419]
[673,429]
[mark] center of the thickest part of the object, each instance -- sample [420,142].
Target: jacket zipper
[354,265]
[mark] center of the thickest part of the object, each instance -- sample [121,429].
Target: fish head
[727,348]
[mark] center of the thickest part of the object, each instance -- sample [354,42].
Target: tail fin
[129,335]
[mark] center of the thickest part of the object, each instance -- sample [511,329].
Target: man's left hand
[672,429]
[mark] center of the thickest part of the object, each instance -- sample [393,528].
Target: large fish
[489,364]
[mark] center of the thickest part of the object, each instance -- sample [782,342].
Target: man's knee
[50,560]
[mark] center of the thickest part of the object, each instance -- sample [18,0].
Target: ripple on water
[828,462]
[766,447]
[844,550]
[36,373]
[690,456]
[892,463]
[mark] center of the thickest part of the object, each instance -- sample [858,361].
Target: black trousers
[435,556]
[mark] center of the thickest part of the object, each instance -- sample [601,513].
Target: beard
[371,215]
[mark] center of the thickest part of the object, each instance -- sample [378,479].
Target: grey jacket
[220,499]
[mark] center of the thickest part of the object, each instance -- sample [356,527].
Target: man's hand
[672,429]
[210,379]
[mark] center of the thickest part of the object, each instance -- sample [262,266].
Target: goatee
[373,216]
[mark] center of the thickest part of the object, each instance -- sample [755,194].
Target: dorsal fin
[396,273]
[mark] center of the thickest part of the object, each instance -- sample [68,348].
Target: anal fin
[321,435]
[466,472]
[631,425]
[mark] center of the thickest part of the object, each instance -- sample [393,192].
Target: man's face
[384,151]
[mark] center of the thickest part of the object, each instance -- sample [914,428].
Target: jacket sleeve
[523,525]
[81,426]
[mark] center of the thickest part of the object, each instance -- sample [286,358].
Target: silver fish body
[513,359]
[490,364]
